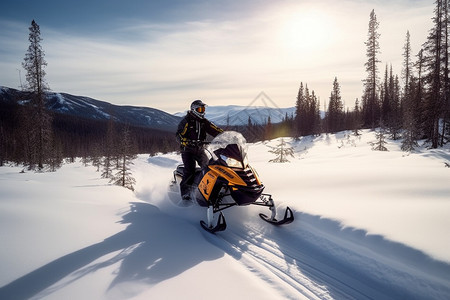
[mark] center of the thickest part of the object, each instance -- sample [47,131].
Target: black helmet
[198,108]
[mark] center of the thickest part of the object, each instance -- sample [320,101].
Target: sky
[165,54]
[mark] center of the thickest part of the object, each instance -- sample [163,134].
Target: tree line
[413,106]
[32,136]
[69,136]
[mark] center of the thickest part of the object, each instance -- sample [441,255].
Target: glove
[184,141]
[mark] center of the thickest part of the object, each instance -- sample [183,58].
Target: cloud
[225,59]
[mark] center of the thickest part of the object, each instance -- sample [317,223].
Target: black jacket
[192,129]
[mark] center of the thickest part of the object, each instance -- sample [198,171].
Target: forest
[411,106]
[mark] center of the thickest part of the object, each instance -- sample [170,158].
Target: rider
[191,134]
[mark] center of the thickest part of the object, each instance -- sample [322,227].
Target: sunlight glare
[306,31]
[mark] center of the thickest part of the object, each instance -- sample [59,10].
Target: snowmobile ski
[288,218]
[220,226]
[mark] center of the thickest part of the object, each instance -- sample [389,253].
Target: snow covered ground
[369,225]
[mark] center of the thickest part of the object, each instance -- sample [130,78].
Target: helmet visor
[200,109]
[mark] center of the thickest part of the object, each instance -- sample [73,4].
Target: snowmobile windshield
[230,147]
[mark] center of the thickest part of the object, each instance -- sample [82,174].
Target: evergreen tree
[379,144]
[390,104]
[385,98]
[370,97]
[407,65]
[445,136]
[307,118]
[335,115]
[123,176]
[410,130]
[96,156]
[356,119]
[109,150]
[38,119]
[300,109]
[317,129]
[268,129]
[56,158]
[395,119]
[436,68]
[282,150]
[418,104]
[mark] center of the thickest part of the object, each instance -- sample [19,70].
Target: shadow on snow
[152,248]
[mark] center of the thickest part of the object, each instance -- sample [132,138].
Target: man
[191,134]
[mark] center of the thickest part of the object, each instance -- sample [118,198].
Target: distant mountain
[85,107]
[240,115]
[88,108]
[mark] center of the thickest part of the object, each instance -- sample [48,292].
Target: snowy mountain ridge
[86,107]
[241,115]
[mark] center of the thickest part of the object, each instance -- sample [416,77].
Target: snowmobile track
[313,276]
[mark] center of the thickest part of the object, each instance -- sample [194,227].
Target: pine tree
[370,97]
[445,136]
[96,156]
[437,81]
[411,100]
[281,151]
[268,129]
[39,120]
[356,119]
[410,132]
[317,127]
[407,65]
[379,144]
[419,95]
[109,151]
[395,120]
[335,113]
[385,98]
[123,176]
[300,107]
[307,118]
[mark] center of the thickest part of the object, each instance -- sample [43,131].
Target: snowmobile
[228,180]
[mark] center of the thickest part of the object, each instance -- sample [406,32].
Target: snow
[368,225]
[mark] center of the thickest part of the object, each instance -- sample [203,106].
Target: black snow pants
[190,157]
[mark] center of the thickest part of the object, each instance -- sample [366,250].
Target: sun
[305,31]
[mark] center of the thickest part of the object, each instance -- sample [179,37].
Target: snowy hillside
[239,115]
[369,225]
[89,108]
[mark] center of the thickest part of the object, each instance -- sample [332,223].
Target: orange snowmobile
[228,180]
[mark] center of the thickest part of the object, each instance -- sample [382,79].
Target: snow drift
[368,225]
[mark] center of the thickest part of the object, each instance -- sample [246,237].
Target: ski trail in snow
[295,266]
[304,260]
[285,268]
[313,257]
[303,263]
[269,264]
